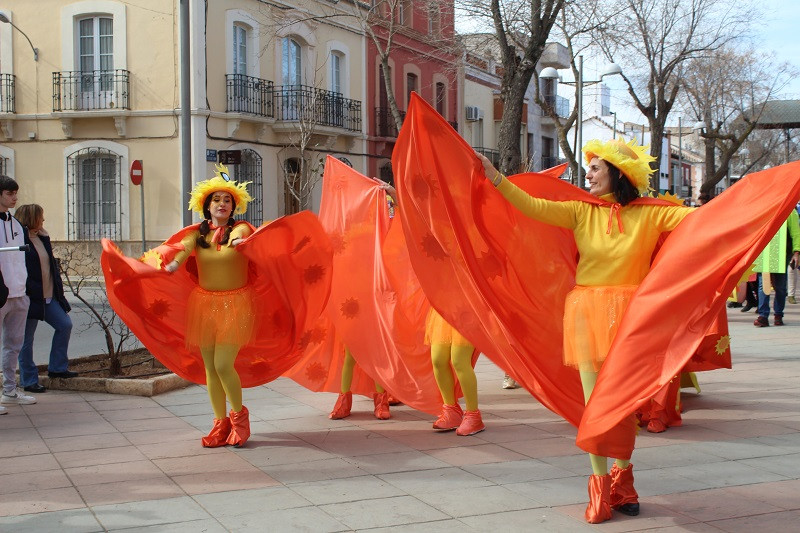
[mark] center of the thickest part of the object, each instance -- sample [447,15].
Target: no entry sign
[136,172]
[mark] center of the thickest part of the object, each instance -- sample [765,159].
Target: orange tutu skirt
[219,317]
[591,319]
[437,331]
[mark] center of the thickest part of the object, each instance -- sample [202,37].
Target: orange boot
[472,423]
[240,431]
[599,508]
[381,401]
[450,419]
[623,496]
[218,436]
[342,407]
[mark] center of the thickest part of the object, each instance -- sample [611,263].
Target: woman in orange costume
[449,347]
[616,244]
[220,315]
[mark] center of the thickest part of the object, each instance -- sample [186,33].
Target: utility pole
[186,133]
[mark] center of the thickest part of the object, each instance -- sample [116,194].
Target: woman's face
[598,177]
[221,205]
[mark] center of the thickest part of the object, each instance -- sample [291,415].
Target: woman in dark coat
[46,292]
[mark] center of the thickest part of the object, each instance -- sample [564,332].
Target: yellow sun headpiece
[220,182]
[632,160]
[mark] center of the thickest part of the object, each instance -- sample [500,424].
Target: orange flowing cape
[376,307]
[290,274]
[502,278]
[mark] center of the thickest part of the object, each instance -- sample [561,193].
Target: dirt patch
[136,364]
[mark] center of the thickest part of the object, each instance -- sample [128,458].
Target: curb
[134,387]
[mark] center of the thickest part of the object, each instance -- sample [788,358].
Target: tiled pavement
[94,462]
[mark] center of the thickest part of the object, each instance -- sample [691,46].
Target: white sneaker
[509,383]
[3,410]
[17,398]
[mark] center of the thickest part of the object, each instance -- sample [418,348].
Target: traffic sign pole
[137,178]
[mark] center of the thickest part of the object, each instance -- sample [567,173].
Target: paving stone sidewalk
[82,462]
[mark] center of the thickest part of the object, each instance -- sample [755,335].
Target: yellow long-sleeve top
[615,258]
[218,270]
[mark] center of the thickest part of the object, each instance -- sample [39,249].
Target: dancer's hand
[172,267]
[489,170]
[391,191]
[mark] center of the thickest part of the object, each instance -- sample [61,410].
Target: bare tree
[654,39]
[727,90]
[81,273]
[522,29]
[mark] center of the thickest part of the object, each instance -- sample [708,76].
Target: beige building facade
[272,87]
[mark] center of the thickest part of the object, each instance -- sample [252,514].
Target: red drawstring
[217,236]
[615,209]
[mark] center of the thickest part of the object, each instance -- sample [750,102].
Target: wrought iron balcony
[90,90]
[316,107]
[7,92]
[549,161]
[246,94]
[384,122]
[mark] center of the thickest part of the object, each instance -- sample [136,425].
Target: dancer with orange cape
[223,304]
[509,276]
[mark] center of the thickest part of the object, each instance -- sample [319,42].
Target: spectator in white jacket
[14,313]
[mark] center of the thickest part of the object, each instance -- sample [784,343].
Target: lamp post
[614,131]
[680,154]
[5,20]
[551,73]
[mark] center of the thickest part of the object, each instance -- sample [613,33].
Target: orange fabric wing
[696,269]
[291,266]
[382,328]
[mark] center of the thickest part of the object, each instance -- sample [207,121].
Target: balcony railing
[492,155]
[549,162]
[384,122]
[301,103]
[246,94]
[7,86]
[98,89]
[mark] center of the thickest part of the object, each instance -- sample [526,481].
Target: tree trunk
[510,128]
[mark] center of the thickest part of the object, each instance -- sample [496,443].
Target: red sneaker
[778,320]
[381,401]
[761,322]
[218,436]
[472,423]
[342,407]
[450,418]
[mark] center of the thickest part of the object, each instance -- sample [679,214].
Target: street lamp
[551,73]
[614,131]
[4,19]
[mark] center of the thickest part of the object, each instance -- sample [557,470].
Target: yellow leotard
[218,270]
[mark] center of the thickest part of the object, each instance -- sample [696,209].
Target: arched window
[94,193]
[250,170]
[239,49]
[441,99]
[96,62]
[291,185]
[386,173]
[411,86]
[292,62]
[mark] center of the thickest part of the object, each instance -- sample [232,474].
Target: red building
[422,59]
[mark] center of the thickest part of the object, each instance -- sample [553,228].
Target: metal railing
[98,89]
[301,103]
[246,94]
[7,91]
[384,122]
[549,161]
[492,155]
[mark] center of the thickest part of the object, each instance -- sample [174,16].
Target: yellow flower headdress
[223,183]
[632,160]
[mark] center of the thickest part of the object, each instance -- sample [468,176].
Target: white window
[95,194]
[250,170]
[337,63]
[239,50]
[96,61]
[292,62]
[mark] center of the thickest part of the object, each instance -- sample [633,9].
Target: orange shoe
[381,401]
[472,423]
[240,431]
[218,436]
[656,426]
[599,508]
[394,401]
[451,417]
[343,405]
[624,497]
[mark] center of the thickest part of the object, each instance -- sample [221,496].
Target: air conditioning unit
[474,113]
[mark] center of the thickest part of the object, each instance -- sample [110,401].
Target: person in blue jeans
[782,251]
[46,293]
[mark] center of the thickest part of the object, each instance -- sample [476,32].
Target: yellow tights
[599,463]
[222,379]
[347,373]
[460,357]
